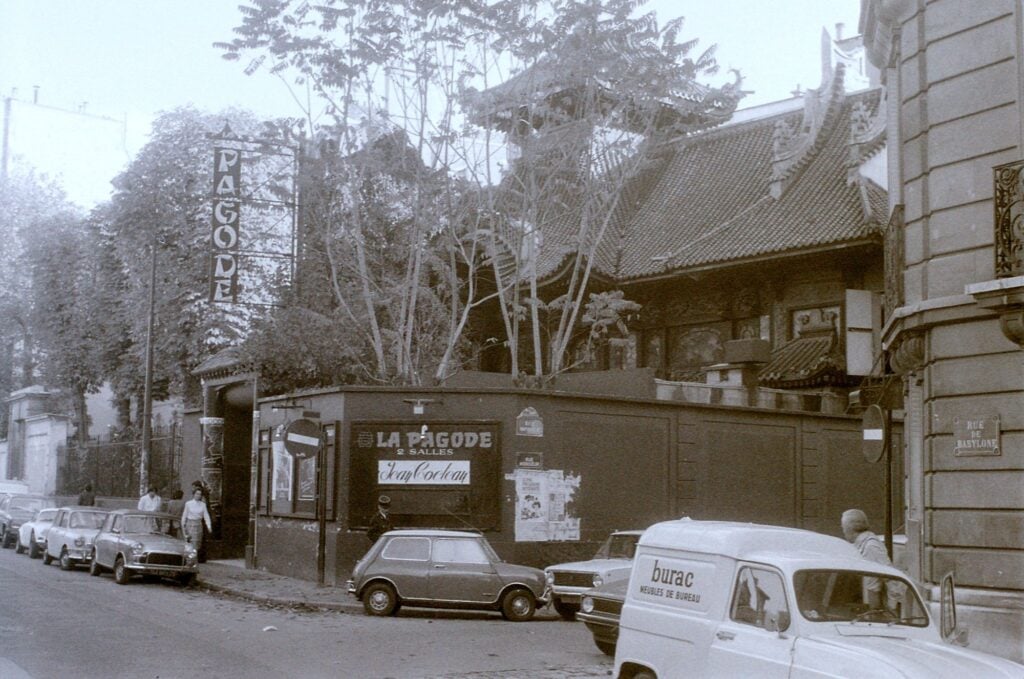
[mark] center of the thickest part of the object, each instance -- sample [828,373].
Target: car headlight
[190,552]
[138,549]
[587,605]
[79,541]
[598,580]
[549,577]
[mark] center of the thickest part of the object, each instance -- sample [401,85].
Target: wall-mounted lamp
[419,405]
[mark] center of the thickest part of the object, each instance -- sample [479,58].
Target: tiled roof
[805,361]
[710,204]
[224,361]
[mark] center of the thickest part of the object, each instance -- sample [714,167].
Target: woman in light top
[193,517]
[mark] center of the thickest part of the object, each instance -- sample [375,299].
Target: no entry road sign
[302,438]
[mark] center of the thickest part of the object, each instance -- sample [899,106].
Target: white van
[721,599]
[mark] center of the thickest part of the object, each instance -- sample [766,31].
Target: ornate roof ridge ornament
[794,148]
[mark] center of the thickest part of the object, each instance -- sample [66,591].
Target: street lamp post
[147,396]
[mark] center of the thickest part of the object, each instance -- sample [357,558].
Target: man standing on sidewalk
[381,521]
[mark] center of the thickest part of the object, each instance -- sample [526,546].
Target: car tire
[186,579]
[518,605]
[121,575]
[33,548]
[95,569]
[5,539]
[380,599]
[18,547]
[566,611]
[47,559]
[606,647]
[66,564]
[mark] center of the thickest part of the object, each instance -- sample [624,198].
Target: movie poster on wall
[542,501]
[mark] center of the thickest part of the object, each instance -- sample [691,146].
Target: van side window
[759,598]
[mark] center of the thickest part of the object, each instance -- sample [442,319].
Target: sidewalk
[233,578]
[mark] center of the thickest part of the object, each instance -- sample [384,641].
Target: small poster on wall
[542,498]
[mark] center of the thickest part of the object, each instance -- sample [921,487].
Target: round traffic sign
[873,428]
[302,438]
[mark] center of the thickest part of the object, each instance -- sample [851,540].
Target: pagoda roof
[773,187]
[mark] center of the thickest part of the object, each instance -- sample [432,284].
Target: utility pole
[147,396]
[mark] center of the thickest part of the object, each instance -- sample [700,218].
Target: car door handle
[439,565]
[725,636]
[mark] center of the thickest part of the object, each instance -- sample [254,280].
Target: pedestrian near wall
[150,502]
[854,523]
[193,518]
[381,521]
[87,498]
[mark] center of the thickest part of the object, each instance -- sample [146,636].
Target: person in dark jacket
[381,521]
[87,498]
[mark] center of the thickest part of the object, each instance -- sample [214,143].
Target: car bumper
[603,627]
[350,585]
[160,569]
[80,553]
[569,595]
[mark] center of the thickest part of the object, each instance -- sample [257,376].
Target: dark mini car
[15,510]
[133,542]
[444,569]
[612,561]
[600,609]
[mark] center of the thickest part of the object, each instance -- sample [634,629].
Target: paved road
[62,624]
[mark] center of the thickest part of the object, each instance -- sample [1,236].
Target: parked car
[568,581]
[15,510]
[724,599]
[132,542]
[444,569]
[70,536]
[32,534]
[600,608]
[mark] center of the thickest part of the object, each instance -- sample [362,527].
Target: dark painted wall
[639,461]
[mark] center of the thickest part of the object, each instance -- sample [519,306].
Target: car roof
[790,547]
[84,508]
[136,512]
[433,532]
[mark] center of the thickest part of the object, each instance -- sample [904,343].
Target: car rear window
[407,549]
[46,515]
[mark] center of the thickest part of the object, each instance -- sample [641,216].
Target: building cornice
[880,22]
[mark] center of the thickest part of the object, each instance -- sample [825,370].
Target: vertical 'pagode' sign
[224,240]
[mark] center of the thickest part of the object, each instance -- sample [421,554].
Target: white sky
[126,60]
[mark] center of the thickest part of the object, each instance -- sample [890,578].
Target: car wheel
[47,559]
[380,599]
[33,548]
[18,547]
[566,611]
[606,647]
[5,539]
[120,572]
[518,605]
[94,567]
[186,579]
[66,564]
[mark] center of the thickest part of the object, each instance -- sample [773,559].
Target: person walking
[381,521]
[193,518]
[150,502]
[87,498]
[177,503]
[854,523]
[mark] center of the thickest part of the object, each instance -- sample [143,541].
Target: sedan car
[32,534]
[133,542]
[568,581]
[15,510]
[600,609]
[71,534]
[444,569]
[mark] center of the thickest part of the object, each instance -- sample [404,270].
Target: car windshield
[86,519]
[141,523]
[618,546]
[857,596]
[30,503]
[46,515]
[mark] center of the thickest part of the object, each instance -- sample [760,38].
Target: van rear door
[752,640]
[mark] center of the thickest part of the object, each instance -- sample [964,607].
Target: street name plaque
[976,436]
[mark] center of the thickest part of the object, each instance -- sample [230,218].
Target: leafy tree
[598,90]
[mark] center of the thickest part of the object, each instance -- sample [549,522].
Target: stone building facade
[953,330]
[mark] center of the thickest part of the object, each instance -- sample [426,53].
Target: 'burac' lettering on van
[675,582]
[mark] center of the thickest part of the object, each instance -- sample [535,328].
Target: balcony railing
[1008,197]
